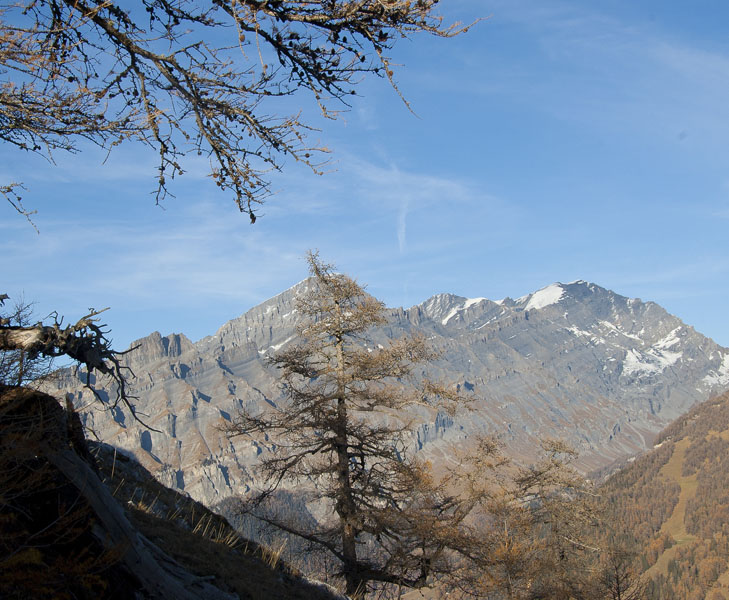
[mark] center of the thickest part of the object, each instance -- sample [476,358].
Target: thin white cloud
[208,253]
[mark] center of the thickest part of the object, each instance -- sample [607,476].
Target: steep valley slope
[80,521]
[673,504]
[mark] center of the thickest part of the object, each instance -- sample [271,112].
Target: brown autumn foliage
[642,500]
[537,532]
[643,497]
[344,429]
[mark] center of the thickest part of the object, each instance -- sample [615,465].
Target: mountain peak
[443,307]
[558,292]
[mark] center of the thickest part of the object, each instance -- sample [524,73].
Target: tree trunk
[50,438]
[346,508]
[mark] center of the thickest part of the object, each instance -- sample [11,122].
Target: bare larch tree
[481,524]
[344,428]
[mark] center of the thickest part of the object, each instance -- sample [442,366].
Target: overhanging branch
[85,341]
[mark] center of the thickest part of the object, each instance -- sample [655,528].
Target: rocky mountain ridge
[574,360]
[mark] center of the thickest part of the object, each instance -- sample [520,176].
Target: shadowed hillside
[82,521]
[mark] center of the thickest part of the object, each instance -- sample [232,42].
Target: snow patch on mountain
[471,301]
[545,297]
[653,360]
[277,347]
[721,375]
[615,329]
[568,375]
[467,304]
[669,341]
[579,332]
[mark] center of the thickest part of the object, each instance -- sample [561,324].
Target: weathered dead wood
[85,341]
[36,429]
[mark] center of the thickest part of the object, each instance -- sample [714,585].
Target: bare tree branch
[194,77]
[10,193]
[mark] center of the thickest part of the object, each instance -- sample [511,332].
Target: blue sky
[557,140]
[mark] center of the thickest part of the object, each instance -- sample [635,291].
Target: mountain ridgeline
[574,361]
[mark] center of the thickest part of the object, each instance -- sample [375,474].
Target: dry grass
[201,540]
[672,470]
[220,533]
[675,525]
[272,556]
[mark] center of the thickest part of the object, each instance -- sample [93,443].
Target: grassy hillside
[199,539]
[674,504]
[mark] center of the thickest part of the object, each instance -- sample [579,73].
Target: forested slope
[673,504]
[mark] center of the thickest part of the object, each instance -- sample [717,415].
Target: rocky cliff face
[574,361]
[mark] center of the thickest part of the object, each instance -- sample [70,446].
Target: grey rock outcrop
[574,361]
